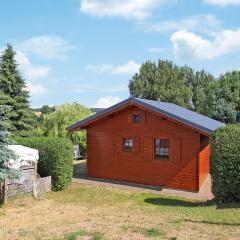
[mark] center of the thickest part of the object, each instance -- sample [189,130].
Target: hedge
[225,163]
[55,159]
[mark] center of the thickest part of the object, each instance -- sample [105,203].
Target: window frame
[124,146]
[142,115]
[135,116]
[169,149]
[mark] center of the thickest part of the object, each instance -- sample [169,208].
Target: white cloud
[189,45]
[36,89]
[201,23]
[107,101]
[45,46]
[137,9]
[223,3]
[129,68]
[29,70]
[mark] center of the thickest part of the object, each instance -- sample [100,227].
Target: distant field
[97,213]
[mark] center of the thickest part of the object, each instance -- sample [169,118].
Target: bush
[225,163]
[55,159]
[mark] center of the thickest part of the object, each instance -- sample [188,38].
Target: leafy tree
[225,111]
[5,153]
[163,81]
[56,123]
[204,92]
[36,123]
[144,83]
[183,86]
[37,116]
[45,109]
[13,87]
[228,97]
[229,88]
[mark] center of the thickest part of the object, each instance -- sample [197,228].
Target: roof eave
[82,124]
[196,127]
[130,101]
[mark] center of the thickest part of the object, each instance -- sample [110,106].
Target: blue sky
[87,50]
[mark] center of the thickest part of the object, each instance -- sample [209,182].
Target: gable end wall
[107,160]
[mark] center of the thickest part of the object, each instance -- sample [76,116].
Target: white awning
[26,156]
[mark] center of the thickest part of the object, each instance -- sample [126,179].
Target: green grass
[74,235]
[106,213]
[204,212]
[153,232]
[81,233]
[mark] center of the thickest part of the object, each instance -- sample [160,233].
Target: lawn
[97,213]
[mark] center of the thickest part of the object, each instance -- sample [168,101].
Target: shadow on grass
[212,222]
[178,202]
[187,204]
[228,205]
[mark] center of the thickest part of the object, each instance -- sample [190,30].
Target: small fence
[37,186]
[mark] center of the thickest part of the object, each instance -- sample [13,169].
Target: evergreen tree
[5,153]
[13,86]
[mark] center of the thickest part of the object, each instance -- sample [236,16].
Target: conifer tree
[13,86]
[5,153]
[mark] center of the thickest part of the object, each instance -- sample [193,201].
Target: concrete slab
[80,177]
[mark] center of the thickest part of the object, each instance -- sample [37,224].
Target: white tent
[25,156]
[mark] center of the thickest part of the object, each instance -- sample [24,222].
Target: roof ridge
[171,110]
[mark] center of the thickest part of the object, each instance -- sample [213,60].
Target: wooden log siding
[204,164]
[106,158]
[186,131]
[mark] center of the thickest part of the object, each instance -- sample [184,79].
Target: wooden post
[1,193]
[5,189]
[34,186]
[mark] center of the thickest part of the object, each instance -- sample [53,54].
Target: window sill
[162,159]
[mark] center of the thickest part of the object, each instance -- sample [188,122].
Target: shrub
[225,163]
[55,159]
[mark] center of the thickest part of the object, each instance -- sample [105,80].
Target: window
[137,118]
[161,149]
[128,144]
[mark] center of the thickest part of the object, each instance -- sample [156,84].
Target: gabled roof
[170,110]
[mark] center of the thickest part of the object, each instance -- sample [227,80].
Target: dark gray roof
[188,117]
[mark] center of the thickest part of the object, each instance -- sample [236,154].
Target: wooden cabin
[149,142]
